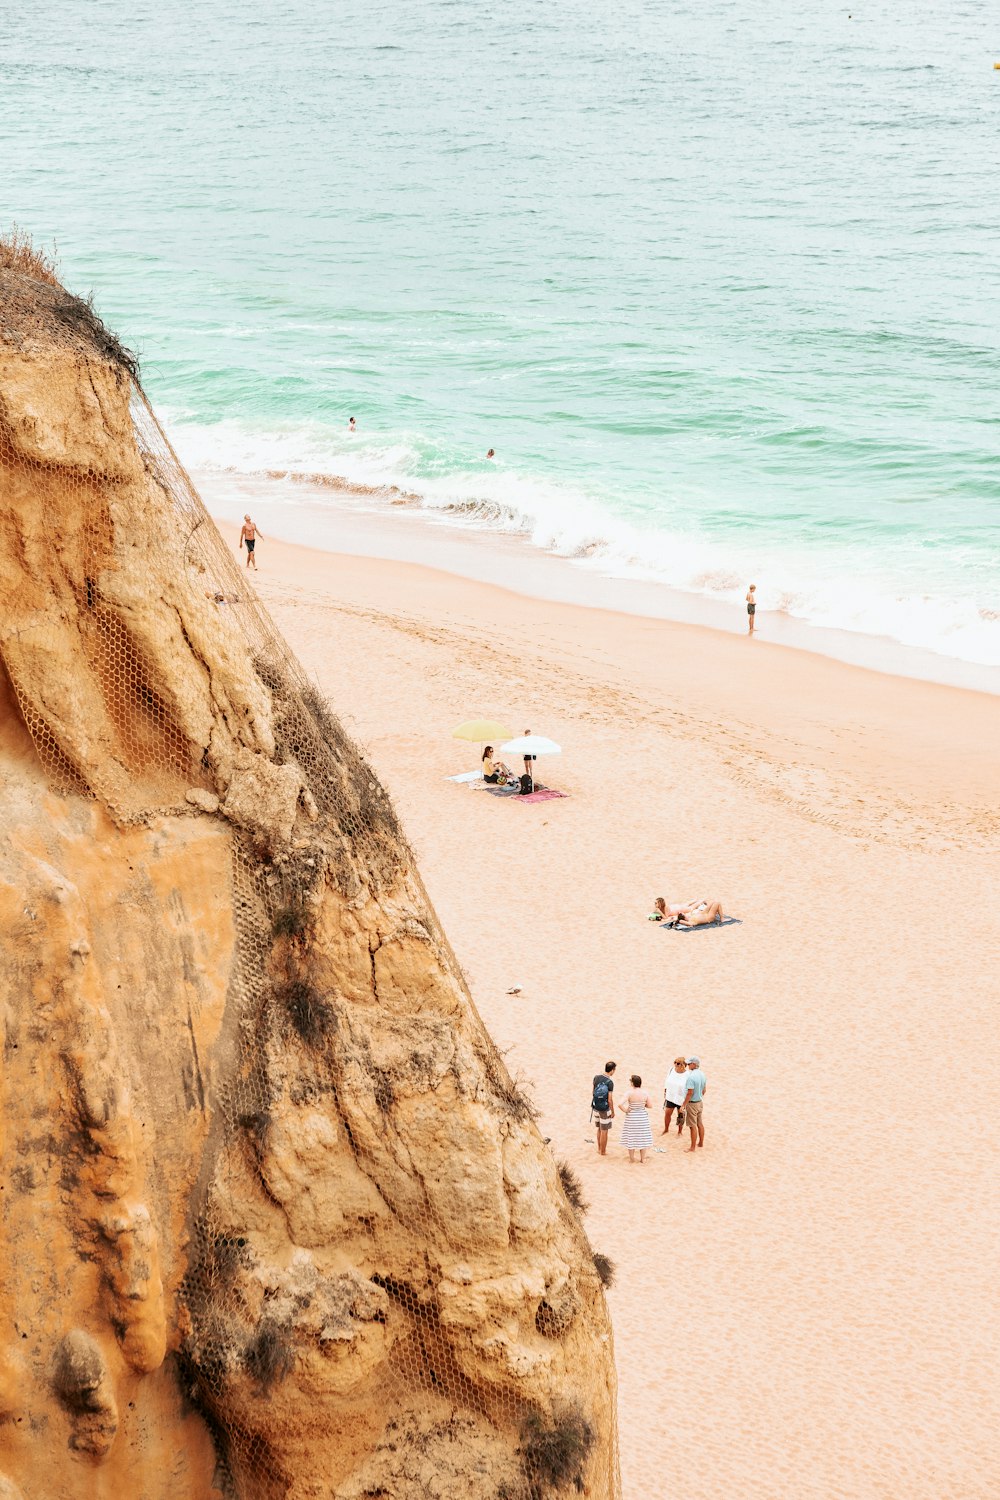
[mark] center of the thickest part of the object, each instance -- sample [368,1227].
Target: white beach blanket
[466,776]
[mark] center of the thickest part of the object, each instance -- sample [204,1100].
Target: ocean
[719,282]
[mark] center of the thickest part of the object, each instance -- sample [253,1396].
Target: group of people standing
[683,1095]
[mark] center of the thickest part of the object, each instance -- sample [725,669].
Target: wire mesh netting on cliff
[383,1289]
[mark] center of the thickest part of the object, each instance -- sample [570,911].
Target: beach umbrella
[480,730]
[531,744]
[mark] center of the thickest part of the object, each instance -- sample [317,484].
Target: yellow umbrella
[481,730]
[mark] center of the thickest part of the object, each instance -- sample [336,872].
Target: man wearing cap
[695,1086]
[602,1105]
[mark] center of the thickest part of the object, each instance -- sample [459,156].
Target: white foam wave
[841,590]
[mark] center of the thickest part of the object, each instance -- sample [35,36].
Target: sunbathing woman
[688,913]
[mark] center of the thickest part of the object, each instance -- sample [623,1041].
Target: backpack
[602,1092]
[527,785]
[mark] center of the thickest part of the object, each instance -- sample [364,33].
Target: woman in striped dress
[636,1132]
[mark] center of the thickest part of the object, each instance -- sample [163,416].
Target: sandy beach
[806,1308]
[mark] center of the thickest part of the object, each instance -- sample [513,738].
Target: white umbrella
[532,744]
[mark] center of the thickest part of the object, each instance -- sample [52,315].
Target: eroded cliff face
[275,1221]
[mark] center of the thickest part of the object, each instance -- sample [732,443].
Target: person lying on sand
[698,913]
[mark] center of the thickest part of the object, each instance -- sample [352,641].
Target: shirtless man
[249,534]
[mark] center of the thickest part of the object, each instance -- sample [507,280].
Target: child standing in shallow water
[751,607]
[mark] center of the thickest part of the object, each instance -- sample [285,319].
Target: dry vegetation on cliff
[20,254]
[54,312]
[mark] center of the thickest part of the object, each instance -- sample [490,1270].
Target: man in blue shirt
[697,1084]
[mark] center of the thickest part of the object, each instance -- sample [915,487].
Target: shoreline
[359,523]
[842,817]
[941,738]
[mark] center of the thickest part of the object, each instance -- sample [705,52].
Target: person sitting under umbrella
[495,771]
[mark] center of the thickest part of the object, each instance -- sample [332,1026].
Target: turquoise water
[719,282]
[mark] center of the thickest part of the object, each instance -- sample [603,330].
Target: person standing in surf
[249,534]
[751,607]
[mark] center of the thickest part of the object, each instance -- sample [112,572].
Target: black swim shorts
[250,543]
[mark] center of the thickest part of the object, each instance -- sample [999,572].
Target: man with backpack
[603,1106]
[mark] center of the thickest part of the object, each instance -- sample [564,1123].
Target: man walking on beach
[249,534]
[695,1085]
[603,1106]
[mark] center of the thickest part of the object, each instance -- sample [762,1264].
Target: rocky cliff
[275,1221]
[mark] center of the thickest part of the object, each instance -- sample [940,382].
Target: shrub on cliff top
[19,253]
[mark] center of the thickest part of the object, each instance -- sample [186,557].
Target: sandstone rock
[65,413]
[273,1206]
[205,801]
[263,799]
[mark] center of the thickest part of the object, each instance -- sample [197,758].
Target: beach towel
[466,776]
[543,794]
[705,926]
[504,791]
